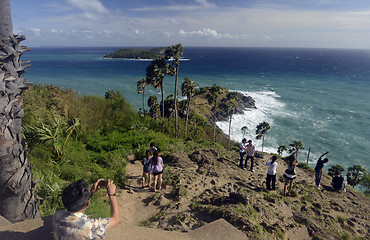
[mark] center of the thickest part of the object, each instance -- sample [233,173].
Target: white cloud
[36,31]
[210,33]
[89,6]
[56,31]
[200,23]
[205,3]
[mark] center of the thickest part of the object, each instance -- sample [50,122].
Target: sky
[229,23]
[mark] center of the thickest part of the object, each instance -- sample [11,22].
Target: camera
[103,183]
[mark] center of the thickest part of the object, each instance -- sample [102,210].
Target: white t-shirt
[272,168]
[242,147]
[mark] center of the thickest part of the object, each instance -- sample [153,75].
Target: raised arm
[324,154]
[96,186]
[114,213]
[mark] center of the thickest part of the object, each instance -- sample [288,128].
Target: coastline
[319,94]
[143,59]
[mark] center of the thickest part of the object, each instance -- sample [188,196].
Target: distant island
[135,53]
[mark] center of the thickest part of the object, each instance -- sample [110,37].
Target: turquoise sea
[318,96]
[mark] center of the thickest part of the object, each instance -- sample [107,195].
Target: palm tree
[155,73]
[295,146]
[281,149]
[174,53]
[187,89]
[355,175]
[153,106]
[262,129]
[141,84]
[212,96]
[229,105]
[17,198]
[170,106]
[244,130]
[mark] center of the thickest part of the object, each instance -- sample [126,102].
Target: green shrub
[305,166]
[334,168]
[49,189]
[99,146]
[99,205]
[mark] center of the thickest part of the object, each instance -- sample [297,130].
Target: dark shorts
[157,173]
[147,169]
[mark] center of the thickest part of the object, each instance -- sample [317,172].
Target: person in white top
[251,151]
[271,173]
[242,152]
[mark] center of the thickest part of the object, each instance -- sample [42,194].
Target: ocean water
[318,96]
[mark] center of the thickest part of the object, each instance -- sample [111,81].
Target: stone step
[3,221]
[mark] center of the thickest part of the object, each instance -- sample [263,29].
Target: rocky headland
[203,183]
[207,184]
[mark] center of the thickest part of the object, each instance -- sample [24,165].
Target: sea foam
[268,106]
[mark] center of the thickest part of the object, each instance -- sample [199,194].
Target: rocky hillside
[206,185]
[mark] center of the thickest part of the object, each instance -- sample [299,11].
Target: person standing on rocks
[147,167]
[157,170]
[251,151]
[271,173]
[289,174]
[318,169]
[242,152]
[73,223]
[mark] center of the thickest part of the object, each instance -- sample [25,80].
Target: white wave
[139,59]
[268,107]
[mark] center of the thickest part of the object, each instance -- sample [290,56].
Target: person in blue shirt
[147,168]
[152,147]
[318,169]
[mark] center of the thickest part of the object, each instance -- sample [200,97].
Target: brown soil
[207,185]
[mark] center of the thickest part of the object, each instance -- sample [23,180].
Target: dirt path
[130,200]
[133,210]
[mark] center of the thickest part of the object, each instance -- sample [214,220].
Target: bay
[318,96]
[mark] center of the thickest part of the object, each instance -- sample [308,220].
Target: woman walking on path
[147,167]
[289,173]
[157,170]
[271,173]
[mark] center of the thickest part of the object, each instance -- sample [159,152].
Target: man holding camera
[73,223]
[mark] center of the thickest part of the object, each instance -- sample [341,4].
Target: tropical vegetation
[135,53]
[261,130]
[70,136]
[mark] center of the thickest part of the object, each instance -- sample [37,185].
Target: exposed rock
[247,102]
[216,187]
[181,160]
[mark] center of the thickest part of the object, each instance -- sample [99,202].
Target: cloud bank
[197,23]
